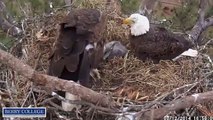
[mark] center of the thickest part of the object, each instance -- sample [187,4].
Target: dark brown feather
[159,44]
[69,59]
[85,67]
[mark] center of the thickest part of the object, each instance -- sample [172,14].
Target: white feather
[140,25]
[89,46]
[95,44]
[189,52]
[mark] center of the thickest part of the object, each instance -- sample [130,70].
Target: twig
[10,93]
[56,106]
[26,99]
[192,86]
[33,95]
[46,100]
[208,58]
[206,44]
[175,90]
[181,103]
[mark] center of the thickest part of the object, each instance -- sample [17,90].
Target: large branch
[146,6]
[53,82]
[202,23]
[186,102]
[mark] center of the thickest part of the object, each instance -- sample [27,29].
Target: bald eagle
[78,48]
[154,42]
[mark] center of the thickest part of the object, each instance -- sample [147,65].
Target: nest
[124,78]
[139,80]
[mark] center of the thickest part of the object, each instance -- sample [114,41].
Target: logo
[24,112]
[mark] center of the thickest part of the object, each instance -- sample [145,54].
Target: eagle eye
[134,19]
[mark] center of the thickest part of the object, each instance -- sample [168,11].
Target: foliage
[130,6]
[5,40]
[26,8]
[20,9]
[185,16]
[209,12]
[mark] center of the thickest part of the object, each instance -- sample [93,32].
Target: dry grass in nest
[39,40]
[114,30]
[110,7]
[139,80]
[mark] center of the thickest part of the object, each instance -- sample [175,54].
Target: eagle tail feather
[189,52]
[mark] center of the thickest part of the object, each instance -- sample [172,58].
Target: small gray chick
[114,49]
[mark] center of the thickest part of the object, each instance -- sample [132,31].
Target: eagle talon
[95,74]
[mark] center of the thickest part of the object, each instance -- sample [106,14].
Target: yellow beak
[128,21]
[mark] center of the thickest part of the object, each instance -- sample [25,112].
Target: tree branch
[202,23]
[53,82]
[202,10]
[179,104]
[7,23]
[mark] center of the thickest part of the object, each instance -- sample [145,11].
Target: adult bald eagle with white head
[154,42]
[78,49]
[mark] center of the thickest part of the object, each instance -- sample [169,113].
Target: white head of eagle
[139,24]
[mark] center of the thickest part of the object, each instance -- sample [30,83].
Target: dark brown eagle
[79,47]
[154,42]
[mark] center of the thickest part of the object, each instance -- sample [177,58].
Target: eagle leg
[67,106]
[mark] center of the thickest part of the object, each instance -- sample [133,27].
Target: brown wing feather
[98,38]
[55,67]
[85,69]
[97,55]
[79,28]
[159,44]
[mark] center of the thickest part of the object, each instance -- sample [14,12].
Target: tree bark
[186,102]
[146,6]
[202,23]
